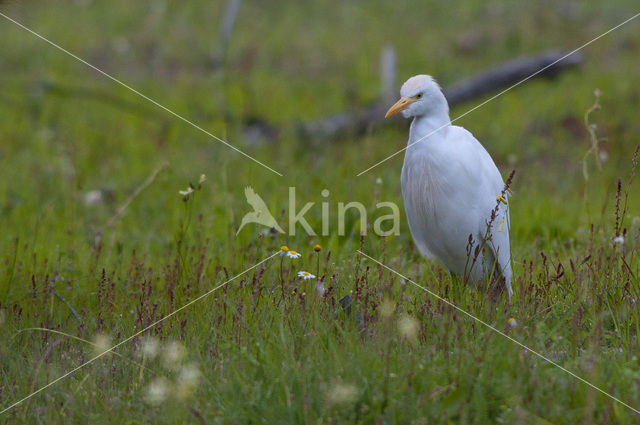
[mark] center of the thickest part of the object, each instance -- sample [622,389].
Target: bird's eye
[419,95]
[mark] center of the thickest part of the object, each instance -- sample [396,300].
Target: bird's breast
[439,203]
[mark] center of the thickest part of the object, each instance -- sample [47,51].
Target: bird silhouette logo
[260,213]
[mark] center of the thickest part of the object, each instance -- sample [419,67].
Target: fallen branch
[69,306]
[358,121]
[511,73]
[122,208]
[135,194]
[106,97]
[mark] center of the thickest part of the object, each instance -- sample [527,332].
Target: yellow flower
[317,248]
[283,250]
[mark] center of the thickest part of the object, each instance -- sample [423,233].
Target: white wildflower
[343,394]
[157,391]
[101,344]
[188,380]
[150,347]
[293,254]
[603,155]
[93,197]
[173,354]
[306,275]
[408,328]
[186,192]
[618,240]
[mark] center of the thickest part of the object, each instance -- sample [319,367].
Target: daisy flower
[293,254]
[187,192]
[283,250]
[618,240]
[306,275]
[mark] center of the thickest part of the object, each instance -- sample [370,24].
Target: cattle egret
[450,187]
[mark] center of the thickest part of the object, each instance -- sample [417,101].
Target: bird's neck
[425,126]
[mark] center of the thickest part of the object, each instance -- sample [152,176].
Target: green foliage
[269,347]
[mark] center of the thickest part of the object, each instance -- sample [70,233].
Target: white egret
[452,189]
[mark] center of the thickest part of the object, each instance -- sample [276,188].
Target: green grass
[263,358]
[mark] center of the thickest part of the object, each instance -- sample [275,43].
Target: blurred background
[254,72]
[91,174]
[257,76]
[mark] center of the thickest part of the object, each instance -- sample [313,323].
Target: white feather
[450,185]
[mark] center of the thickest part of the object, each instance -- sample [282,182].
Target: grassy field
[79,273]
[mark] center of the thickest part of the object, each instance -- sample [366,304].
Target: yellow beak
[400,105]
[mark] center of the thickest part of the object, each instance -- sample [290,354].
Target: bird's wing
[476,183]
[416,202]
[489,185]
[255,200]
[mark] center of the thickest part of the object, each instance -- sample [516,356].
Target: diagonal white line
[91,360]
[500,94]
[114,79]
[499,332]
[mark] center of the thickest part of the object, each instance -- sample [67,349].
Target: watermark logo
[260,213]
[383,224]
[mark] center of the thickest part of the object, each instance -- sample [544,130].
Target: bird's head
[420,95]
